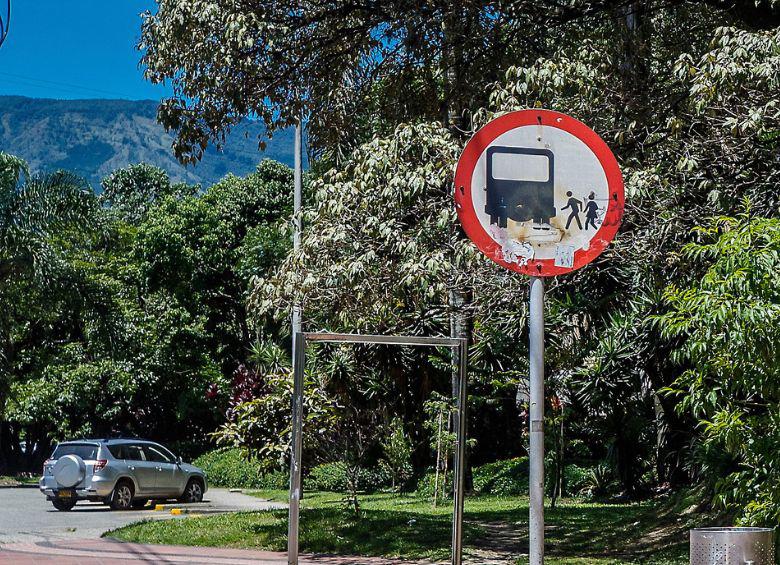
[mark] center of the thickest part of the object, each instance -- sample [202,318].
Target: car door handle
[131,467]
[158,468]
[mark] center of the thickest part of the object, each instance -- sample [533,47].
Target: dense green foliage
[686,96]
[508,477]
[730,319]
[231,468]
[125,314]
[337,477]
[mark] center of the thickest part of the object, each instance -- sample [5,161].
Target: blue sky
[75,49]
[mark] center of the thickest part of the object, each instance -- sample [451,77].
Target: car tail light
[46,464]
[99,464]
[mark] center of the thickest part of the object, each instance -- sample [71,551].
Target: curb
[178,510]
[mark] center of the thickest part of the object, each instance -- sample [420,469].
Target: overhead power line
[60,86]
[5,22]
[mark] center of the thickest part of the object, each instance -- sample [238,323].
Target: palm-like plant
[37,212]
[33,210]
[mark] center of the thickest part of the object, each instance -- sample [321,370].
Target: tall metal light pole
[296,314]
[536,418]
[298,360]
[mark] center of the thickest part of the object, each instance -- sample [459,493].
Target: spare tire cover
[69,470]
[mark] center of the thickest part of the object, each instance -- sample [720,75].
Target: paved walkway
[106,552]
[26,517]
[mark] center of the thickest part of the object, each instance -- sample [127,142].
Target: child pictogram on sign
[591,211]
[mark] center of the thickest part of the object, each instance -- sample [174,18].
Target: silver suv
[123,473]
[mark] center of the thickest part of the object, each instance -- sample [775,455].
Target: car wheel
[138,503]
[122,497]
[63,505]
[193,492]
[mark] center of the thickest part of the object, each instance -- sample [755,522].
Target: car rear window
[83,450]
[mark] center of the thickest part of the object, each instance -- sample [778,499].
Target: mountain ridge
[93,137]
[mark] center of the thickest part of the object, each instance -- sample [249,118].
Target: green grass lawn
[408,526]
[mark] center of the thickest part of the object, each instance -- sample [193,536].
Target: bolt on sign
[539,192]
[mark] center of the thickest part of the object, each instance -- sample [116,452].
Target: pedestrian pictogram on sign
[539,192]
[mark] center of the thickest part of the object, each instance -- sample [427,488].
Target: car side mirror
[179,460]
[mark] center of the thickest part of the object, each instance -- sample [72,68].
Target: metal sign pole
[298,184]
[536,479]
[299,361]
[460,454]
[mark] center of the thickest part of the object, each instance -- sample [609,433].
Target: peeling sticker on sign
[512,251]
[564,256]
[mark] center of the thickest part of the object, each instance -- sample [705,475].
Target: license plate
[65,494]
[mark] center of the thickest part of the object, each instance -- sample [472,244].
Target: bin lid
[734,529]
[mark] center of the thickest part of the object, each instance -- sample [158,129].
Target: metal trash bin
[733,546]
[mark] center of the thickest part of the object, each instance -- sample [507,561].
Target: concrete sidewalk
[107,551]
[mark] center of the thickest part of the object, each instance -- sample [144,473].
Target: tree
[123,318]
[38,214]
[729,324]
[203,250]
[398,453]
[131,192]
[328,60]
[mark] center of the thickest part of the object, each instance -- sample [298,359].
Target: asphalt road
[26,516]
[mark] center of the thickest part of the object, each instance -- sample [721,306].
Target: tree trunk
[459,298]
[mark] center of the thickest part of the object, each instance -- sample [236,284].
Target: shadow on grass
[623,532]
[406,526]
[600,531]
[375,533]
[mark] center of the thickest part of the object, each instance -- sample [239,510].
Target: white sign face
[547,201]
[540,193]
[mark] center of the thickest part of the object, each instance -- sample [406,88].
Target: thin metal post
[297,196]
[299,361]
[298,180]
[460,454]
[536,479]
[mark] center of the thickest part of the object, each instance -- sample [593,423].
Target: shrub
[599,482]
[575,479]
[333,477]
[506,477]
[232,469]
[426,485]
[398,454]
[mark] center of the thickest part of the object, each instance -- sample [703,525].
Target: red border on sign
[485,136]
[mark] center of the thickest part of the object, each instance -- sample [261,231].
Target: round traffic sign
[539,192]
